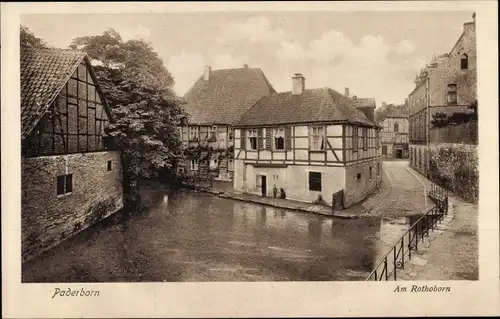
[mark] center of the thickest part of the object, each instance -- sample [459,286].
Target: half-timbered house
[213,104]
[70,178]
[394,134]
[308,142]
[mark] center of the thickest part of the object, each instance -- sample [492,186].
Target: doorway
[399,154]
[263,185]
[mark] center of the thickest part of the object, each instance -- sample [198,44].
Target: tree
[147,112]
[29,40]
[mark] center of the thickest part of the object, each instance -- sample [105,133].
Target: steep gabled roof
[226,95]
[44,72]
[364,102]
[313,105]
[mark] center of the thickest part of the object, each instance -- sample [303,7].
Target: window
[364,132]
[212,132]
[279,138]
[370,173]
[317,138]
[64,184]
[384,149]
[396,127]
[315,181]
[194,165]
[464,62]
[252,139]
[378,169]
[193,132]
[109,166]
[354,138]
[377,138]
[358,177]
[230,134]
[452,94]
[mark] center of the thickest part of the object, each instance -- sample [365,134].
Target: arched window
[464,62]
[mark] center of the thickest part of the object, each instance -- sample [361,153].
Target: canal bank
[189,236]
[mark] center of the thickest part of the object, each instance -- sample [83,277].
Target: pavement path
[452,252]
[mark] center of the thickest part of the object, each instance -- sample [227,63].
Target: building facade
[214,103]
[394,135]
[445,87]
[70,178]
[314,144]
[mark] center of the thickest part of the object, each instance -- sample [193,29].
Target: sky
[374,54]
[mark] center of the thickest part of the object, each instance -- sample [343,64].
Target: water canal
[186,236]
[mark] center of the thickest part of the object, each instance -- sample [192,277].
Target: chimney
[245,66]
[346,90]
[206,73]
[354,97]
[470,27]
[298,84]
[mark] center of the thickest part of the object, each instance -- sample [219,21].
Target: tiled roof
[364,102]
[399,111]
[43,73]
[313,105]
[226,95]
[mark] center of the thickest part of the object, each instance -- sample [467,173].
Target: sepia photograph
[249,146]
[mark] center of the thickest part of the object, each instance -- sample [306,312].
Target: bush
[455,168]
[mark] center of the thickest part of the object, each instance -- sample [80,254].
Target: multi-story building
[214,103]
[308,142]
[444,87]
[70,178]
[394,134]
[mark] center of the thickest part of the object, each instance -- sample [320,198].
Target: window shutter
[269,136]
[243,140]
[259,139]
[288,138]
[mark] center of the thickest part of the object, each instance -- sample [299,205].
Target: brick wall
[48,218]
[466,133]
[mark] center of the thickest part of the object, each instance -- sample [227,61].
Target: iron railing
[401,252]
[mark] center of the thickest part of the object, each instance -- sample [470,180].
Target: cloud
[368,68]
[227,61]
[404,46]
[136,32]
[254,29]
[186,68]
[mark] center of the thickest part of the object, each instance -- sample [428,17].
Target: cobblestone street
[403,193]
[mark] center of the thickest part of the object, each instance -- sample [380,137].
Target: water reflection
[196,237]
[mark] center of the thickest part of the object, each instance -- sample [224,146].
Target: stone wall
[357,189]
[48,218]
[455,167]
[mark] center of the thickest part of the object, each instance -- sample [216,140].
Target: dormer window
[464,62]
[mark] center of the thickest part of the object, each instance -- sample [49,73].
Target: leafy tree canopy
[138,88]
[29,40]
